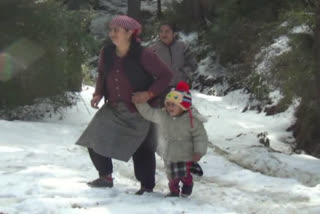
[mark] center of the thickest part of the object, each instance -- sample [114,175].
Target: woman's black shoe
[102,182]
[143,190]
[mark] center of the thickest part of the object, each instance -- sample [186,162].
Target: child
[183,138]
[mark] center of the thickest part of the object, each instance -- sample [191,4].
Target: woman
[179,58]
[126,71]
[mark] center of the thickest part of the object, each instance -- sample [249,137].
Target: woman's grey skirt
[115,132]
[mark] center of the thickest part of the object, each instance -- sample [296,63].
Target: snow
[43,171]
[189,38]
[279,47]
[275,97]
[301,29]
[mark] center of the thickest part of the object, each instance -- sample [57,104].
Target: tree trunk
[316,146]
[193,7]
[312,144]
[317,48]
[76,4]
[134,9]
[94,4]
[73,4]
[159,10]
[198,9]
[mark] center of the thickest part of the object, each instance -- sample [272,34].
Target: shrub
[43,48]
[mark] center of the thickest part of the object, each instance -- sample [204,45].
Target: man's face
[166,34]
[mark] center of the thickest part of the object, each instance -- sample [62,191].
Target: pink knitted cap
[127,23]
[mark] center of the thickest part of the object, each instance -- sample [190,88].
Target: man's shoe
[143,190]
[105,181]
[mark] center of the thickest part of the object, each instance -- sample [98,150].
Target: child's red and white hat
[180,96]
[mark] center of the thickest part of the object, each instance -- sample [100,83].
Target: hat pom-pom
[182,86]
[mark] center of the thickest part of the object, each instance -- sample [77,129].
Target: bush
[43,48]
[294,70]
[42,107]
[238,27]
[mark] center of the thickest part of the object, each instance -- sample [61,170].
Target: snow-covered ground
[43,171]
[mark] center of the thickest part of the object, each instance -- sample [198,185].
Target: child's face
[173,110]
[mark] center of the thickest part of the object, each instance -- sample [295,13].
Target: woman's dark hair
[172,26]
[135,49]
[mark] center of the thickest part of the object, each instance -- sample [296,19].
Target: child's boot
[174,188]
[173,194]
[196,169]
[186,190]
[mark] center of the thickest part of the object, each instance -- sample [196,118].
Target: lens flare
[6,67]
[18,57]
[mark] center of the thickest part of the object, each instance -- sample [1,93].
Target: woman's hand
[95,101]
[141,97]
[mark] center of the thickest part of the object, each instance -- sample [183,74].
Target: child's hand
[141,97]
[196,157]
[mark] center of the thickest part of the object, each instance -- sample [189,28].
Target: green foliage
[150,29]
[87,77]
[236,26]
[234,9]
[306,128]
[297,14]
[179,13]
[295,71]
[233,41]
[239,29]
[258,87]
[46,45]
[43,107]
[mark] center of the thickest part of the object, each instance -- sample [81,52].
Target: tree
[78,4]
[44,45]
[134,9]
[317,42]
[198,10]
[314,7]
[159,10]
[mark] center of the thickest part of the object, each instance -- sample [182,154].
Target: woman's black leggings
[144,163]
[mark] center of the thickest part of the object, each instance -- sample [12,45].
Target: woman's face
[166,34]
[173,109]
[119,35]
